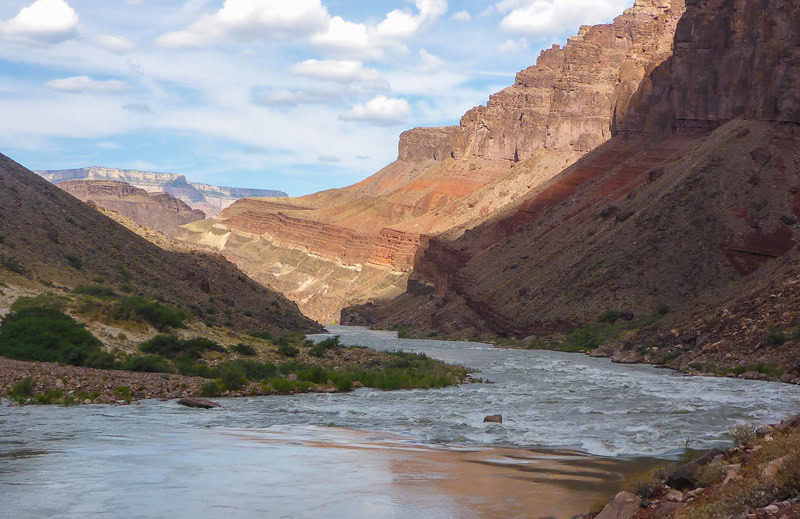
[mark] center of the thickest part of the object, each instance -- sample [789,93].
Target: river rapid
[573,426]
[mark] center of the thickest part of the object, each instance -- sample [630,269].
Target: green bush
[23,388]
[13,265]
[287,350]
[610,316]
[159,315]
[46,335]
[148,364]
[74,261]
[773,337]
[244,349]
[210,388]
[173,347]
[231,376]
[94,290]
[101,360]
[744,434]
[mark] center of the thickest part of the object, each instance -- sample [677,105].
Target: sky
[296,95]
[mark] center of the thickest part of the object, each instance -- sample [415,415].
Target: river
[573,426]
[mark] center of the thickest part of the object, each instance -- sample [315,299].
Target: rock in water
[494,418]
[200,403]
[623,506]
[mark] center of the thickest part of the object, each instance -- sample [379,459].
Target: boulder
[494,418]
[623,506]
[198,403]
[683,477]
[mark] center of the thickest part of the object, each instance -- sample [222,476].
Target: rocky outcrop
[692,205]
[159,211]
[207,198]
[574,98]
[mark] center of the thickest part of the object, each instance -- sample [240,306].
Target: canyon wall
[693,203]
[207,198]
[160,211]
[341,247]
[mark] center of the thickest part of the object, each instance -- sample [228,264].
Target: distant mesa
[207,198]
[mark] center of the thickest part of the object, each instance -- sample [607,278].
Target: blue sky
[298,96]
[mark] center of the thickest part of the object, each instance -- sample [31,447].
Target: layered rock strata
[341,247]
[207,198]
[160,211]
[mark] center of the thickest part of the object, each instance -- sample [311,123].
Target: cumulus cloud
[350,39]
[511,46]
[250,20]
[78,84]
[549,18]
[335,70]
[461,16]
[113,43]
[44,22]
[403,24]
[380,110]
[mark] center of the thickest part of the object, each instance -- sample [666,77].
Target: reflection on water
[371,453]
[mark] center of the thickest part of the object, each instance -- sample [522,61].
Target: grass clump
[267,336]
[46,335]
[594,335]
[210,388]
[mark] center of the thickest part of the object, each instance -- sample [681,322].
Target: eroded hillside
[342,247]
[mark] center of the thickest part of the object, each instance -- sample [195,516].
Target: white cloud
[402,24]
[41,23]
[461,16]
[250,20]
[511,46]
[113,43]
[335,70]
[329,158]
[550,18]
[80,84]
[346,39]
[380,110]
[310,96]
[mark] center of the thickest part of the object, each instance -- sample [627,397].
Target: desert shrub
[644,483]
[148,364]
[74,261]
[193,368]
[662,309]
[123,272]
[48,300]
[173,347]
[46,335]
[50,396]
[751,494]
[23,388]
[94,290]
[405,332]
[610,316]
[773,337]
[281,385]
[244,349]
[319,349]
[101,360]
[709,474]
[316,375]
[254,370]
[231,376]
[744,434]
[159,315]
[210,388]
[13,265]
[287,350]
[537,344]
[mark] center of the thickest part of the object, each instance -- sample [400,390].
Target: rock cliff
[341,247]
[160,211]
[207,198]
[692,206]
